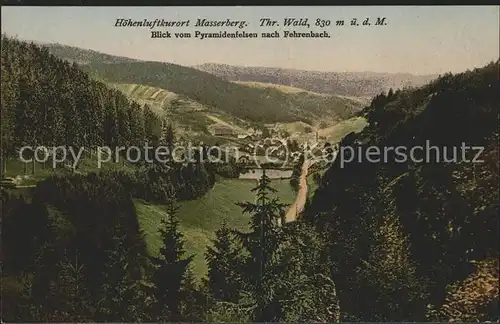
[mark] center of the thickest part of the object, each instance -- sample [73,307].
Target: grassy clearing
[191,119]
[202,217]
[156,98]
[22,172]
[280,87]
[335,133]
[292,128]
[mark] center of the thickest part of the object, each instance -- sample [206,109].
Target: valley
[263,228]
[195,112]
[202,217]
[349,84]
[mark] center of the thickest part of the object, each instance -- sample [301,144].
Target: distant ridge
[256,104]
[351,84]
[85,56]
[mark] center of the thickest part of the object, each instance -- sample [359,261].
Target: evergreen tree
[389,271]
[66,298]
[264,237]
[224,266]
[71,290]
[168,136]
[152,126]
[171,270]
[296,173]
[121,295]
[299,285]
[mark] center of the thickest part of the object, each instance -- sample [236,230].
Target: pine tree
[152,127]
[168,135]
[224,263]
[66,298]
[171,271]
[9,98]
[264,237]
[299,284]
[72,287]
[296,173]
[120,293]
[388,279]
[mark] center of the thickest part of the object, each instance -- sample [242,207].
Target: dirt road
[298,205]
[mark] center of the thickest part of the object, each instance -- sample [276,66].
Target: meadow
[200,218]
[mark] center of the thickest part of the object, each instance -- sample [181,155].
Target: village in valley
[276,150]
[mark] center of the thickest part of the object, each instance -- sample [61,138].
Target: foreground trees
[403,233]
[50,102]
[404,241]
[279,275]
[86,259]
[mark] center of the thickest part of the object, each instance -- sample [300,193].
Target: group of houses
[224,131]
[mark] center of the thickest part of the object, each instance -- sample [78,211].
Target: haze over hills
[355,84]
[351,84]
[395,235]
[257,104]
[84,56]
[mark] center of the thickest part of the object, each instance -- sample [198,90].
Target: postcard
[250,163]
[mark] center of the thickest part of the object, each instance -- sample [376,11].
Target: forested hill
[419,241]
[353,84]
[255,104]
[48,101]
[250,103]
[77,55]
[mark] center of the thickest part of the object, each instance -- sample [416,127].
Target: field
[22,172]
[202,217]
[283,88]
[199,218]
[335,133]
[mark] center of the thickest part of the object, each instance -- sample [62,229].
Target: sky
[416,39]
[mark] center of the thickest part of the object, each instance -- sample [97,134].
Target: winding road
[298,205]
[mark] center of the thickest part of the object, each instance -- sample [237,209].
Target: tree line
[50,102]
[411,238]
[378,242]
[78,253]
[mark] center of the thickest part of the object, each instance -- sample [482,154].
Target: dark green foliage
[400,233]
[156,182]
[298,285]
[75,54]
[473,299]
[265,105]
[266,212]
[87,238]
[172,280]
[48,101]
[297,171]
[86,260]
[379,242]
[280,275]
[230,169]
[225,263]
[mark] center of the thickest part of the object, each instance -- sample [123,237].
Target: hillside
[409,230]
[410,238]
[58,104]
[249,103]
[263,104]
[353,84]
[202,217]
[83,56]
[193,118]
